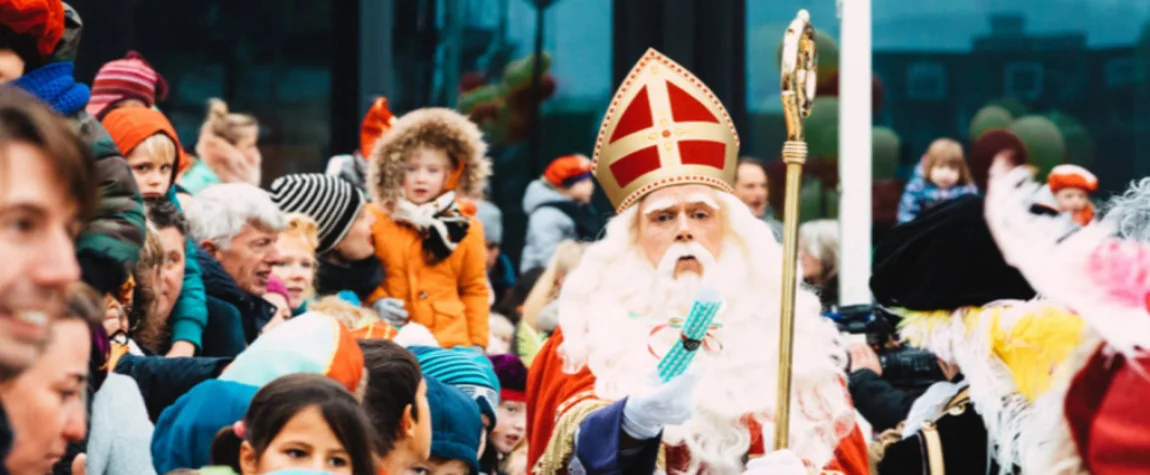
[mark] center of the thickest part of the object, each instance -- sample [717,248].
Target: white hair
[220,212]
[611,302]
[820,239]
[1130,212]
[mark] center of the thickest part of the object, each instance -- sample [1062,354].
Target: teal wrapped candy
[695,328]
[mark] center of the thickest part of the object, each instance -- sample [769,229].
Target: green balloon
[1016,107]
[821,129]
[885,152]
[1079,146]
[987,118]
[1044,143]
[1079,142]
[814,200]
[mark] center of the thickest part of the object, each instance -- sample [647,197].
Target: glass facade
[1070,75]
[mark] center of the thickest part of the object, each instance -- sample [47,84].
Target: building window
[925,82]
[1121,72]
[1024,80]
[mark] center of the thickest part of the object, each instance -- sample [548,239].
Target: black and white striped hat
[332,202]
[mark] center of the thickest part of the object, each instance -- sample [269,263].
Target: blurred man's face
[11,66]
[751,188]
[249,258]
[38,226]
[358,244]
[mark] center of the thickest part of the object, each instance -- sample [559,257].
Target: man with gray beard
[666,158]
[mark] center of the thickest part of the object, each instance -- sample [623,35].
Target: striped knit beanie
[332,202]
[128,78]
[467,370]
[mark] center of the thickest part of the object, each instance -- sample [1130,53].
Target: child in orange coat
[433,254]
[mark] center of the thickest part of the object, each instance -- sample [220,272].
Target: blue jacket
[235,317]
[190,314]
[921,194]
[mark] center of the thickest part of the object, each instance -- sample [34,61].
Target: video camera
[904,367]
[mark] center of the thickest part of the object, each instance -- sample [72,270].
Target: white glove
[391,310]
[779,462]
[673,403]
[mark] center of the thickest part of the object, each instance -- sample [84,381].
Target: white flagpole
[855,152]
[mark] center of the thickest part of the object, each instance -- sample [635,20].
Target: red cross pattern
[663,118]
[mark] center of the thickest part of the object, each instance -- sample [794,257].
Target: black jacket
[882,404]
[361,277]
[235,317]
[163,380]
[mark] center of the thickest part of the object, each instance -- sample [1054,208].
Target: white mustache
[680,250]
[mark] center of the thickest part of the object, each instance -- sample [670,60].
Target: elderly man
[46,188]
[236,226]
[666,158]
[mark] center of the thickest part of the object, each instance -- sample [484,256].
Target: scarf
[439,221]
[53,83]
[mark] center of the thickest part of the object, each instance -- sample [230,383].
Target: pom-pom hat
[1072,176]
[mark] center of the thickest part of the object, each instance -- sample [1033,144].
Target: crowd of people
[168,312]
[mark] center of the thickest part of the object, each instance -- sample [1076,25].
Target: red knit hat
[563,172]
[1072,176]
[39,20]
[377,121]
[128,78]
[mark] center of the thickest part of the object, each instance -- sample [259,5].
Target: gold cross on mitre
[663,127]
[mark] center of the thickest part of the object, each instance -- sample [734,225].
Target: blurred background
[1068,76]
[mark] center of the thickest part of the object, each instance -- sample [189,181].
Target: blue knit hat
[185,430]
[455,424]
[466,370]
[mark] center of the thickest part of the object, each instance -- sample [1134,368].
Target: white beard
[610,303]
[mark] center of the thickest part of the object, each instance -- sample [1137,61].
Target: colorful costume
[1093,420]
[664,129]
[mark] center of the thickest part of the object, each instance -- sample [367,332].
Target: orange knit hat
[129,126]
[377,121]
[1072,176]
[563,172]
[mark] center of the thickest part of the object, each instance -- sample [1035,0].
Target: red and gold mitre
[664,127]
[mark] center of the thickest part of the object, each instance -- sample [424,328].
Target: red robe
[550,391]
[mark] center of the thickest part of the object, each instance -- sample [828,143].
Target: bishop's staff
[798,83]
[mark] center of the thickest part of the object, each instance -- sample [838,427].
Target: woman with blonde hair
[541,310]
[297,266]
[227,150]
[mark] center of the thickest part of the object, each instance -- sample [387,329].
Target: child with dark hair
[300,421]
[511,429]
[396,402]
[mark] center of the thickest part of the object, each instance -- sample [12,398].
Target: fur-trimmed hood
[435,127]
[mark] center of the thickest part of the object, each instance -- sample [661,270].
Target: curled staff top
[797,73]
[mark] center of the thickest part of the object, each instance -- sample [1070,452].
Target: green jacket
[110,244]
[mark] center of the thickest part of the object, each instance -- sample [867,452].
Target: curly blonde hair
[302,227]
[437,128]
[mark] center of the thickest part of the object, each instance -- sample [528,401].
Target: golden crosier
[798,94]
[797,73]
